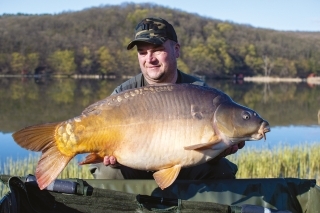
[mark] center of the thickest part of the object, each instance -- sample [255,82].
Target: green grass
[300,161]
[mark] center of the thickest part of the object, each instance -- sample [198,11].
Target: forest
[94,40]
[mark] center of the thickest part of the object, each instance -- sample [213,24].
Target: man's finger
[106,160]
[241,144]
[112,160]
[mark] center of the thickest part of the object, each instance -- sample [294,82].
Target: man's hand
[231,150]
[110,161]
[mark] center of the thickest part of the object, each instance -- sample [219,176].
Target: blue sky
[293,15]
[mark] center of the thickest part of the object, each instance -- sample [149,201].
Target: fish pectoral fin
[165,177]
[50,165]
[203,146]
[92,158]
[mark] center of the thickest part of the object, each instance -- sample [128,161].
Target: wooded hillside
[94,40]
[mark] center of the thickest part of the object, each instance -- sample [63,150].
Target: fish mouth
[264,128]
[261,133]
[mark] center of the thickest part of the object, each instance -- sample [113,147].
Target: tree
[203,59]
[284,68]
[182,66]
[227,60]
[32,61]
[86,62]
[105,60]
[136,16]
[267,66]
[314,65]
[130,65]
[17,62]
[252,60]
[224,27]
[4,61]
[219,48]
[62,61]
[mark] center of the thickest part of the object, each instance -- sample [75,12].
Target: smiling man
[158,49]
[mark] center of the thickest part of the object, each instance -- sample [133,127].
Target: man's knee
[100,171]
[220,169]
[226,169]
[129,173]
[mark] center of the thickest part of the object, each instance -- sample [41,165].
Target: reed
[301,161]
[24,166]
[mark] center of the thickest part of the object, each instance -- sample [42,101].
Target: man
[158,49]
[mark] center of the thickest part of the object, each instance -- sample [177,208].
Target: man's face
[158,63]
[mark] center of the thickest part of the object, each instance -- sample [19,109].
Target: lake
[291,108]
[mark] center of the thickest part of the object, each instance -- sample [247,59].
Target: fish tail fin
[37,137]
[50,165]
[42,138]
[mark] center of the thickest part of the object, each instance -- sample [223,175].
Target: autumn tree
[252,59]
[105,60]
[62,61]
[183,66]
[17,62]
[284,68]
[130,65]
[86,61]
[32,61]
[4,63]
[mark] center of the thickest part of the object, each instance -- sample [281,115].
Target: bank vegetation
[93,42]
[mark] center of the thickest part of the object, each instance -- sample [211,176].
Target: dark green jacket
[139,81]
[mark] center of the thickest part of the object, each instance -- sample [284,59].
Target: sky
[284,15]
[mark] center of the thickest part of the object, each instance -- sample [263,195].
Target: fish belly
[157,145]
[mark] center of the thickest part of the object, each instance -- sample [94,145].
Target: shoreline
[262,79]
[313,80]
[75,76]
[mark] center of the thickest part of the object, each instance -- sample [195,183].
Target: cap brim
[155,40]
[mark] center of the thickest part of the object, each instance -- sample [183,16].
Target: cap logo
[153,30]
[148,26]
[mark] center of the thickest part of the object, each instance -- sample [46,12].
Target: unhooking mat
[220,196]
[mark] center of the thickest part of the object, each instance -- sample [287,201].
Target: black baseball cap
[154,31]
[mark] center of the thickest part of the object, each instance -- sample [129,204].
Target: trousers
[217,169]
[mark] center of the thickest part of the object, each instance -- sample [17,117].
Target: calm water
[291,109]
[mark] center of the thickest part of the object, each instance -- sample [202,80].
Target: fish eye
[246,115]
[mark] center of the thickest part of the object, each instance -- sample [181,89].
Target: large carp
[157,128]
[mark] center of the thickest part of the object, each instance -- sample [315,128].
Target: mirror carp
[160,128]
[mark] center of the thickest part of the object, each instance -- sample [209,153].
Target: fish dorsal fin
[203,146]
[165,177]
[50,165]
[92,158]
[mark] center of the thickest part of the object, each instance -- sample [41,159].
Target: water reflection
[282,104]
[25,102]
